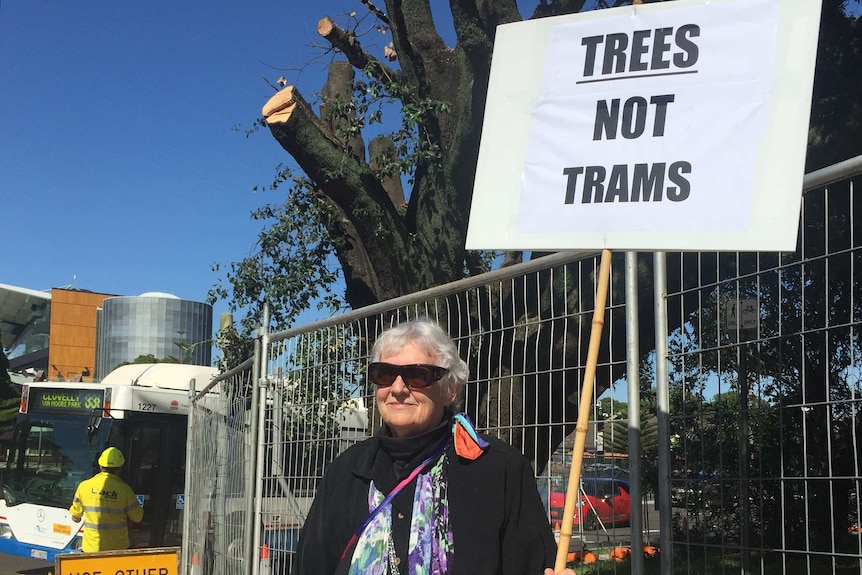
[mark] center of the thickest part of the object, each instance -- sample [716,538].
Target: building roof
[159,294]
[18,308]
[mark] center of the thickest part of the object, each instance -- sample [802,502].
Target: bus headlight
[5,531]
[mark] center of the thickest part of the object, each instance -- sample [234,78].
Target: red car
[602,500]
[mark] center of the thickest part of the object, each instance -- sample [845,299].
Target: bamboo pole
[583,413]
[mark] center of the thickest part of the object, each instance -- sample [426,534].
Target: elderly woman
[426,494]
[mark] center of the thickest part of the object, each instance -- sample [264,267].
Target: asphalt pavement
[14,565]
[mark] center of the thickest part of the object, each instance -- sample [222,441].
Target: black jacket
[497,520]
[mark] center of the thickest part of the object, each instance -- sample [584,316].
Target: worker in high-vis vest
[107,505]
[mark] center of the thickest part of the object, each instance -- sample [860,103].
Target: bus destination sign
[59,399]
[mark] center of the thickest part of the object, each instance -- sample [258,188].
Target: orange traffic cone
[620,554]
[196,564]
[265,568]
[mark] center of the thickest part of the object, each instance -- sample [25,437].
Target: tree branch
[376,11]
[382,148]
[349,45]
[424,57]
[362,284]
[305,137]
[346,182]
[342,122]
[557,7]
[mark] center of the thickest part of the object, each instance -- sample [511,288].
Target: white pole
[663,411]
[634,399]
[261,384]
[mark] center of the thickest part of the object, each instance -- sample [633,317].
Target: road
[613,536]
[599,538]
[13,564]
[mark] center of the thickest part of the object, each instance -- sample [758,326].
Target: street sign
[741,314]
[155,561]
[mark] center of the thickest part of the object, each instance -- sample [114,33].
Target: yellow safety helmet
[112,457]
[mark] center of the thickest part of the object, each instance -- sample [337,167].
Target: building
[50,333]
[77,335]
[153,323]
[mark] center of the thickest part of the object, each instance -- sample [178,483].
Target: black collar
[388,459]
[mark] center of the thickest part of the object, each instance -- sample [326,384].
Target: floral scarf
[431,544]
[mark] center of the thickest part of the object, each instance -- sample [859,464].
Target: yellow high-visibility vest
[106,504]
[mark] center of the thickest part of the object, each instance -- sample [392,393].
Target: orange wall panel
[72,351]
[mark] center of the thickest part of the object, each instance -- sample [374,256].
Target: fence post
[186,545]
[662,411]
[634,396]
[257,428]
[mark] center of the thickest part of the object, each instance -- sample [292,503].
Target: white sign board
[669,126]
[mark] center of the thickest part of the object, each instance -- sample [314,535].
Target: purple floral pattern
[431,544]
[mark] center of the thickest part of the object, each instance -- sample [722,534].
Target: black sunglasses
[418,375]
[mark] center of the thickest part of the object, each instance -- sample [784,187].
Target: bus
[61,429]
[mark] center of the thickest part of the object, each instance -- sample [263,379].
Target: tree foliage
[400,106]
[382,204]
[786,408]
[835,132]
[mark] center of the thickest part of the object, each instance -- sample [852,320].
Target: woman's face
[411,411]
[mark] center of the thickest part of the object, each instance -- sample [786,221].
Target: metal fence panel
[524,335]
[766,368]
[764,485]
[220,476]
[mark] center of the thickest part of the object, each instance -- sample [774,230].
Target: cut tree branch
[349,45]
[318,152]
[346,182]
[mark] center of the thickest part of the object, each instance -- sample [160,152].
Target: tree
[349,202]
[5,380]
[8,413]
[10,395]
[836,116]
[345,196]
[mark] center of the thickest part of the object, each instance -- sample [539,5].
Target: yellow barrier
[155,561]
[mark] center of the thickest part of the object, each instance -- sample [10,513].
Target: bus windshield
[52,453]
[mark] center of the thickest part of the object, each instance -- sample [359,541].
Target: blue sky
[120,169]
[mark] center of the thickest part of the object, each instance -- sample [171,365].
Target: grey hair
[428,336]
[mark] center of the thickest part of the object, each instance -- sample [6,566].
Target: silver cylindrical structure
[157,324]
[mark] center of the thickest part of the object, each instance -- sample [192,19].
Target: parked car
[602,500]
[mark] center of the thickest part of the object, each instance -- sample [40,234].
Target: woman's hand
[550,571]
